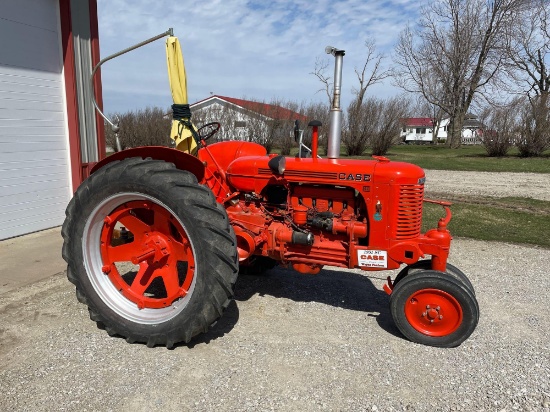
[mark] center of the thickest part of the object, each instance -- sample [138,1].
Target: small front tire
[433,309]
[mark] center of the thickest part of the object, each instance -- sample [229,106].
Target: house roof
[418,122]
[471,122]
[269,110]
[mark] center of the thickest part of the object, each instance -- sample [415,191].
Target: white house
[421,129]
[240,119]
[472,130]
[48,134]
[417,130]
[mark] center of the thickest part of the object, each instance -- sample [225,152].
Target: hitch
[388,287]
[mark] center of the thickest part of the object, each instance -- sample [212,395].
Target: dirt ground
[295,343]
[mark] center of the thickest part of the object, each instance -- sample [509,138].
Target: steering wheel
[208,130]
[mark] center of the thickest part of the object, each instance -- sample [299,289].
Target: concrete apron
[30,258]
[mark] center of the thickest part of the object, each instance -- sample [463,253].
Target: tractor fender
[181,160]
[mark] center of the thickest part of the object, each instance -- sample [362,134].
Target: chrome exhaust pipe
[335,131]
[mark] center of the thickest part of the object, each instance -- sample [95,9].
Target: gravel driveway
[291,342]
[533,185]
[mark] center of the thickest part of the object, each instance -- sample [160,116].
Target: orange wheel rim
[433,312]
[160,249]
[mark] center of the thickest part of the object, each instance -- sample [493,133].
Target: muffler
[335,131]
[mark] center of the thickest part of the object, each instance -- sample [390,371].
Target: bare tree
[365,79]
[378,123]
[147,127]
[454,54]
[320,71]
[370,73]
[375,74]
[501,127]
[528,53]
[356,137]
[388,124]
[535,127]
[321,112]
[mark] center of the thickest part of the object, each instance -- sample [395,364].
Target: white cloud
[239,48]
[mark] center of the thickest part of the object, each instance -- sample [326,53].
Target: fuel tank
[225,152]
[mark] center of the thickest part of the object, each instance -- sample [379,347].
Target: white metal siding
[34,156]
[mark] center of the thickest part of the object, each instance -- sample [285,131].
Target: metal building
[49,134]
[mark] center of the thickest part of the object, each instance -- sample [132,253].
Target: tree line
[490,57]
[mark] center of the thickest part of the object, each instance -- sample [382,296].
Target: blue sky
[244,49]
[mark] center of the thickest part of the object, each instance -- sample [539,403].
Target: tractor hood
[253,173]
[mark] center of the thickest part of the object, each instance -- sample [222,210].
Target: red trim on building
[270,110]
[70,91]
[86,168]
[97,79]
[418,122]
[79,170]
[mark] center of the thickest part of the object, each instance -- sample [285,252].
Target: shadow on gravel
[223,326]
[345,290]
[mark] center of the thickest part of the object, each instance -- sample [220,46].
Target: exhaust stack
[335,131]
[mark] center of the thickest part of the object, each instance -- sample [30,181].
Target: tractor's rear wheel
[431,308]
[422,265]
[150,252]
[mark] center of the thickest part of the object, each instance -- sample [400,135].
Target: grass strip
[514,220]
[468,158]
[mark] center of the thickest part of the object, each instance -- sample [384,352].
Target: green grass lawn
[514,220]
[472,158]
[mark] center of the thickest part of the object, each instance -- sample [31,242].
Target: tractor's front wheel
[149,252]
[431,308]
[423,265]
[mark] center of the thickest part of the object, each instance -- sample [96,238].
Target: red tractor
[155,238]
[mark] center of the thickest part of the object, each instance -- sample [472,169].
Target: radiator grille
[409,214]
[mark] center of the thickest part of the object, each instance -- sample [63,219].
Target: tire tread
[213,235]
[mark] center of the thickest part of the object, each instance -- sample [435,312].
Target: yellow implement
[182,127]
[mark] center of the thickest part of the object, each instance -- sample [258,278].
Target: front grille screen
[409,213]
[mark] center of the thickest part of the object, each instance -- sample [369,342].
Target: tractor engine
[305,226]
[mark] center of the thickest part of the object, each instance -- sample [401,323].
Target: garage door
[34,156]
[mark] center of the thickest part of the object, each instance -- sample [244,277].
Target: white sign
[372,258]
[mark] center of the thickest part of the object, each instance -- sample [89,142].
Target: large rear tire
[434,309]
[150,252]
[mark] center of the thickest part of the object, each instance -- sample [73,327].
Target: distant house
[421,130]
[472,130]
[417,130]
[242,119]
